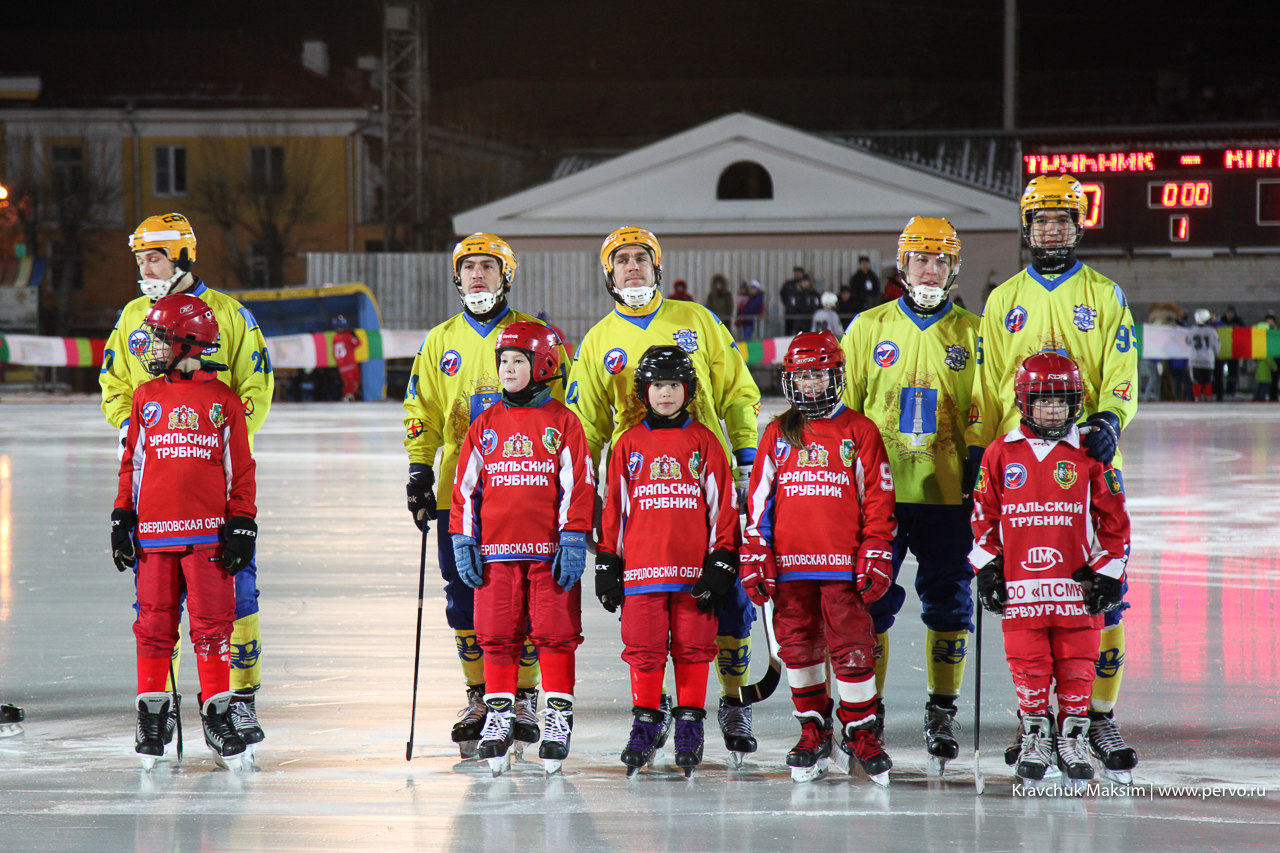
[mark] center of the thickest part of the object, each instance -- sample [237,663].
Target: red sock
[215,674]
[153,674]
[812,699]
[557,671]
[1033,693]
[646,687]
[691,684]
[500,677]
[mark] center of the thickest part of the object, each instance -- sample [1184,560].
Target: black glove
[719,570]
[1101,443]
[609,580]
[1101,593]
[239,541]
[123,550]
[969,477]
[421,493]
[992,594]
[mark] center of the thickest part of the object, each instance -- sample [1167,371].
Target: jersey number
[886,477]
[108,359]
[979,348]
[261,361]
[411,393]
[1126,337]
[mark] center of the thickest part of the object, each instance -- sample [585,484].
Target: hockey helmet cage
[929,235]
[812,358]
[665,363]
[1048,374]
[633,297]
[539,344]
[1054,192]
[183,322]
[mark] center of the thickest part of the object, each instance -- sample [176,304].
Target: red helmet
[185,323]
[538,342]
[1048,374]
[812,358]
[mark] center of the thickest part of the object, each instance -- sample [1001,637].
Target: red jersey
[815,505]
[672,502]
[186,464]
[524,475]
[1050,509]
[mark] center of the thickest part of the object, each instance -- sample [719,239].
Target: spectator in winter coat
[1268,377]
[750,309]
[847,306]
[720,301]
[680,290]
[792,319]
[893,288]
[808,301]
[865,285]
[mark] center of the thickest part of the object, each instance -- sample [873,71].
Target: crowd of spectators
[1207,374]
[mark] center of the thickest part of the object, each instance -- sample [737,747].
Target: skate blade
[937,766]
[1120,777]
[688,772]
[517,750]
[499,765]
[10,729]
[881,779]
[631,771]
[234,763]
[810,774]
[842,761]
[737,760]
[148,761]
[468,749]
[659,754]
[552,766]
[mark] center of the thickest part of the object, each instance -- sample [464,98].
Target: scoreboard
[1210,197]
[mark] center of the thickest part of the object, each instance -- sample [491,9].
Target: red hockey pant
[813,619]
[1039,656]
[162,578]
[519,594]
[658,624]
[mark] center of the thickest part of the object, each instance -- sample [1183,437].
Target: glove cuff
[460,539]
[573,537]
[420,473]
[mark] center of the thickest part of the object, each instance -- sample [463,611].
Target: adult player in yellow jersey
[602,394]
[165,249]
[1061,305]
[910,370]
[454,379]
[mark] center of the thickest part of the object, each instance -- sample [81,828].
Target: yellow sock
[530,670]
[882,661]
[246,648]
[733,663]
[944,660]
[176,657]
[1109,669]
[470,655]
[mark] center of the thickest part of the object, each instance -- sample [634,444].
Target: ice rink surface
[338,560]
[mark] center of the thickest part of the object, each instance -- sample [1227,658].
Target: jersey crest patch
[184,417]
[216,416]
[687,340]
[812,455]
[1015,476]
[1085,317]
[1115,484]
[634,463]
[551,440]
[488,442]
[518,445]
[450,362]
[139,341]
[846,451]
[248,408]
[485,391]
[1064,474]
[886,354]
[1016,319]
[665,468]
[695,464]
[414,427]
[614,360]
[151,414]
[957,357]
[980,483]
[1123,391]
[781,450]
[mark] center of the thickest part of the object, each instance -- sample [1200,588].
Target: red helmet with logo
[185,324]
[1048,374]
[539,343]
[813,373]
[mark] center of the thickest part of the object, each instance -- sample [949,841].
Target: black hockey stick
[763,689]
[177,712]
[978,782]
[417,645]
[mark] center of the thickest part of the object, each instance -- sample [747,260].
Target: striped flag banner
[41,351]
[1248,342]
[768,350]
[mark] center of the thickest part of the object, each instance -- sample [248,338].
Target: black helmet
[665,363]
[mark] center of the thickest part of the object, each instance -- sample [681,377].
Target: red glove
[758,571]
[874,570]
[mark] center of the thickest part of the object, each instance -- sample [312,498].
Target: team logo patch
[213,350]
[1109,663]
[518,445]
[151,414]
[980,483]
[551,440]
[1041,558]
[1085,317]
[1016,319]
[1064,474]
[488,442]
[450,362]
[886,354]
[216,416]
[1123,391]
[687,340]
[812,455]
[1115,484]
[846,451]
[634,463]
[1015,476]
[781,450]
[957,357]
[974,414]
[665,468]
[695,464]
[184,417]
[139,340]
[614,360]
[248,408]
[951,652]
[414,427]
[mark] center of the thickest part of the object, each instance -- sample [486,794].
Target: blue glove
[466,557]
[571,559]
[1101,443]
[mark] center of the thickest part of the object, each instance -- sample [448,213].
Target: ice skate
[668,724]
[940,736]
[810,757]
[735,725]
[149,737]
[219,733]
[860,743]
[1037,760]
[558,718]
[689,737]
[466,732]
[244,716]
[526,724]
[1011,753]
[1073,750]
[1116,757]
[498,733]
[647,732]
[11,717]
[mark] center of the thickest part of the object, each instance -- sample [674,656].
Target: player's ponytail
[791,424]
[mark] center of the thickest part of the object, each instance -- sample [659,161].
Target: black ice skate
[1038,758]
[219,733]
[149,736]
[171,720]
[1073,750]
[735,725]
[498,732]
[11,717]
[1116,757]
[860,743]
[689,737]
[810,757]
[526,725]
[558,717]
[466,732]
[1011,753]
[244,716]
[647,735]
[940,736]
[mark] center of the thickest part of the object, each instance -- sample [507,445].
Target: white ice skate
[153,711]
[498,732]
[558,720]
[1037,764]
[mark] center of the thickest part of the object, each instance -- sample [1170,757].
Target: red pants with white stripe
[1039,656]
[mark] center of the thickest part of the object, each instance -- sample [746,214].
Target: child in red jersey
[1051,540]
[523,501]
[184,518]
[668,554]
[819,527]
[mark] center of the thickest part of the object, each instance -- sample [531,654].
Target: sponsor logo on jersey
[1115,484]
[949,651]
[151,414]
[1016,319]
[957,357]
[980,483]
[614,360]
[216,416]
[687,340]
[781,450]
[488,442]
[665,468]
[1123,391]
[551,440]
[184,417]
[634,463]
[886,354]
[695,464]
[846,451]
[1041,559]
[1085,317]
[1015,476]
[450,362]
[812,455]
[1064,474]
[139,341]
[414,427]
[518,445]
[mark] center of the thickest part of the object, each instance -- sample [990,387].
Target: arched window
[744,180]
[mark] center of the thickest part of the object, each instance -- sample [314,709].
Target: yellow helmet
[485,244]
[626,236]
[929,235]
[1054,192]
[171,234]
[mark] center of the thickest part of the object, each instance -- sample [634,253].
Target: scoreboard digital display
[1220,197]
